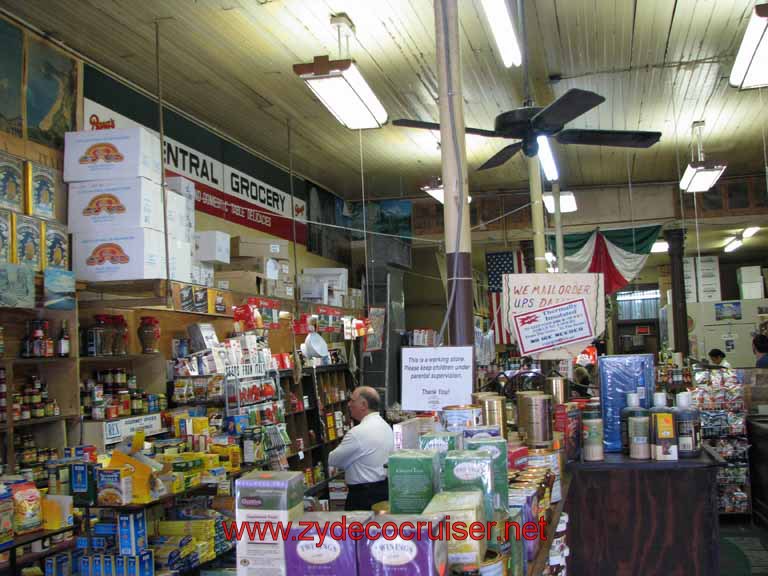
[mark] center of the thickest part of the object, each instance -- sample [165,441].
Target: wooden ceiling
[661,64]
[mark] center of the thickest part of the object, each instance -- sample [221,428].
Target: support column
[676,240]
[454,172]
[537,216]
[559,247]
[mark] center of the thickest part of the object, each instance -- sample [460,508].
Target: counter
[630,517]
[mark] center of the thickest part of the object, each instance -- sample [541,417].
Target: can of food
[97,412]
[495,564]
[568,422]
[520,414]
[495,412]
[537,410]
[557,386]
[112,411]
[477,397]
[456,418]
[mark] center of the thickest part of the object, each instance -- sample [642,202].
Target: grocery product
[326,553]
[663,433]
[413,480]
[466,507]
[497,447]
[471,470]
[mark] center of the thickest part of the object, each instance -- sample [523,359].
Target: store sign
[552,327]
[433,378]
[221,190]
[530,292]
[119,430]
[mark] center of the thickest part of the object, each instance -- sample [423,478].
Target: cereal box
[114,487]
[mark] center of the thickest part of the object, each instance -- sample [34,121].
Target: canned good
[97,394]
[456,418]
[97,412]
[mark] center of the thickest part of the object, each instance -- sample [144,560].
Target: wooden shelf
[32,557]
[24,539]
[118,358]
[33,361]
[38,421]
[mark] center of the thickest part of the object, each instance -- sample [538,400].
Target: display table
[630,517]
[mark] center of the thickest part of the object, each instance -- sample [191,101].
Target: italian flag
[618,254]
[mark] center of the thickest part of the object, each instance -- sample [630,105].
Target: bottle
[688,427]
[592,430]
[662,430]
[62,344]
[632,409]
[49,351]
[638,428]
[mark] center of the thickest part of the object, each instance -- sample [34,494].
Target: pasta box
[109,154]
[131,532]
[114,487]
[126,203]
[119,254]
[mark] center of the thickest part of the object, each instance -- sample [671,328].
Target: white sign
[119,430]
[436,377]
[553,326]
[528,292]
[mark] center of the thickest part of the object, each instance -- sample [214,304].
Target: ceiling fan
[526,124]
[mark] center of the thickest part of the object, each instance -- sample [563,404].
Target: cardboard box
[219,302]
[748,274]
[181,185]
[413,480]
[751,291]
[466,470]
[212,246]
[239,281]
[413,552]
[202,273]
[121,254]
[278,289]
[252,247]
[107,154]
[180,254]
[181,225]
[336,278]
[464,507]
[132,532]
[337,555]
[102,204]
[270,268]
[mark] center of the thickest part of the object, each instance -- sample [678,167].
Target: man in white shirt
[364,451]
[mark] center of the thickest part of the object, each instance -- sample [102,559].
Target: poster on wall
[17,286]
[58,289]
[51,90]
[384,216]
[375,339]
[11,63]
[552,327]
[524,293]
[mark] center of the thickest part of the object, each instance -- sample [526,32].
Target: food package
[491,430]
[131,532]
[113,487]
[497,447]
[27,508]
[139,474]
[516,553]
[336,555]
[466,507]
[411,552]
[620,375]
[524,499]
[413,480]
[470,470]
[441,441]
[6,516]
[57,511]
[28,241]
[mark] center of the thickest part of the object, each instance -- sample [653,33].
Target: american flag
[497,264]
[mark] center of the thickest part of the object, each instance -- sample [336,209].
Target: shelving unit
[15,562]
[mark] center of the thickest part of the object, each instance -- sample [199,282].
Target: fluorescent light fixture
[701,176]
[733,245]
[500,21]
[728,240]
[567,202]
[438,193]
[749,232]
[750,69]
[660,247]
[546,159]
[339,85]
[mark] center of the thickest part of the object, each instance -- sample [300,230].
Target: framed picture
[11,183]
[11,67]
[43,185]
[6,236]
[56,246]
[27,236]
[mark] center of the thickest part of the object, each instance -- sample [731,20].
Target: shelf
[165,499]
[35,556]
[36,421]
[200,402]
[312,490]
[33,361]
[118,358]
[308,370]
[25,539]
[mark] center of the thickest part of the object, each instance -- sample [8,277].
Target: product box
[83,483]
[212,246]
[6,234]
[497,448]
[57,511]
[265,267]
[254,247]
[131,532]
[86,452]
[28,241]
[470,470]
[58,565]
[180,254]
[336,278]
[239,281]
[114,487]
[56,253]
[338,552]
[266,496]
[466,507]
[180,224]
[412,552]
[185,188]
[219,302]
[43,190]
[203,273]
[11,182]
[109,154]
[747,274]
[122,254]
[103,204]
[489,431]
[751,290]
[278,289]
[413,480]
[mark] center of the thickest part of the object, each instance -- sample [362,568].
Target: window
[738,195]
[638,304]
[711,200]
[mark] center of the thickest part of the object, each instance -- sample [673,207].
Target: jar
[592,427]
[108,377]
[35,397]
[162,402]
[26,412]
[120,377]
[149,334]
[49,408]
[111,412]
[120,343]
[124,400]
[137,404]
[108,342]
[97,412]
[96,336]
[38,410]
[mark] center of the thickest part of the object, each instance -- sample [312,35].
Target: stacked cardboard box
[259,266]
[750,282]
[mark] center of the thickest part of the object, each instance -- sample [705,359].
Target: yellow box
[173,481]
[200,425]
[212,461]
[57,512]
[139,473]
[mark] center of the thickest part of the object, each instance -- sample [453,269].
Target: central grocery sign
[221,190]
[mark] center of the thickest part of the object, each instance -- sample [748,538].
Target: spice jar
[120,342]
[149,334]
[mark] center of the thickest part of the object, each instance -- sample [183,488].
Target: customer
[760,349]
[364,452]
[717,357]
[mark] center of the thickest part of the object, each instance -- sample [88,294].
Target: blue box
[120,566]
[77,557]
[132,532]
[108,565]
[85,565]
[105,529]
[620,375]
[140,565]
[96,561]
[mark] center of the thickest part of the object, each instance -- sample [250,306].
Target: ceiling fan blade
[622,138]
[569,106]
[435,126]
[502,156]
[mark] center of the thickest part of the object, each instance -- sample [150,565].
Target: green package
[498,450]
[470,470]
[516,553]
[467,508]
[442,442]
[413,476]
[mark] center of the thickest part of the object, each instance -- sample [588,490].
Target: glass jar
[120,343]
[95,337]
[108,342]
[149,335]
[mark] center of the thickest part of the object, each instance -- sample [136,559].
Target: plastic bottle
[592,428]
[632,409]
[637,428]
[688,427]
[663,431]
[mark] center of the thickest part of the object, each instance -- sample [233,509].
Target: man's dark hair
[760,342]
[716,352]
[371,398]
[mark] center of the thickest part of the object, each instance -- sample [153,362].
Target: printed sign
[553,326]
[436,377]
[118,430]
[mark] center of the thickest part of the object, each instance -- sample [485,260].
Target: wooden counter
[630,517]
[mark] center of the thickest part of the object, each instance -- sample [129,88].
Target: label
[664,424]
[395,553]
[468,471]
[689,435]
[313,554]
